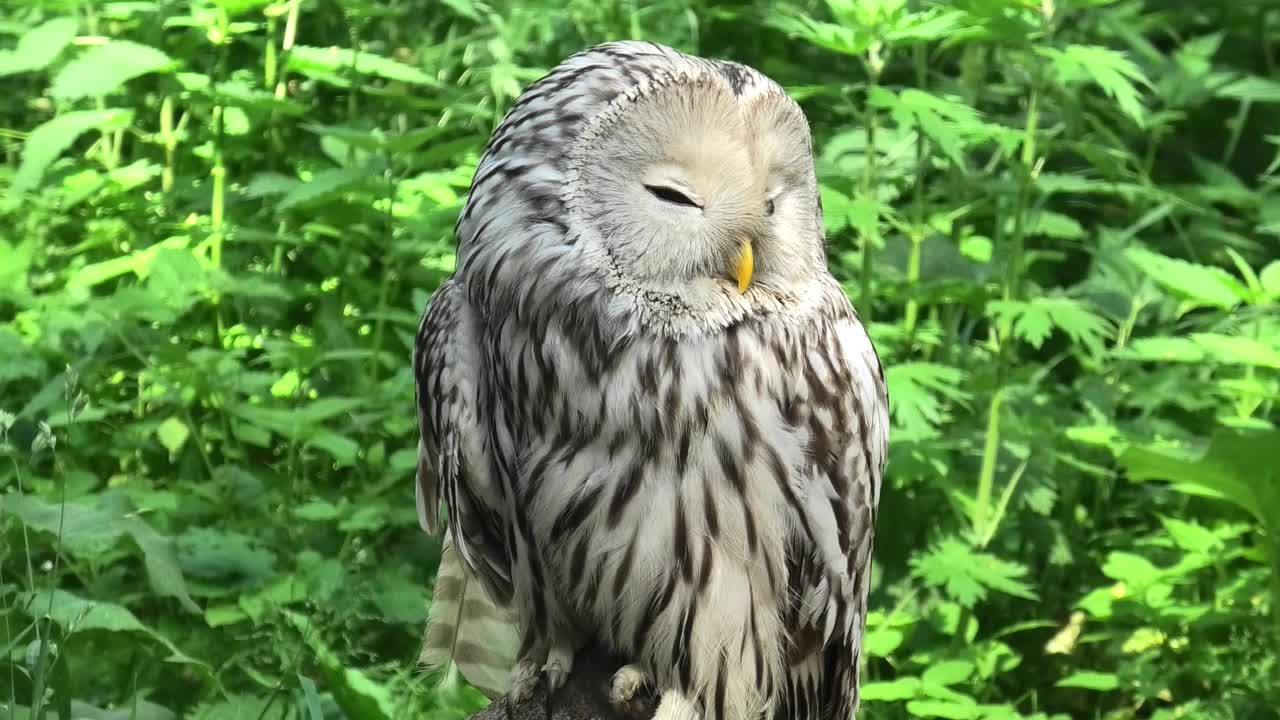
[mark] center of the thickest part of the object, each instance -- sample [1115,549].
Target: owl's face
[700,195]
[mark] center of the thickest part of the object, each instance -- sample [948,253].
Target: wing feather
[466,628]
[470,624]
[829,570]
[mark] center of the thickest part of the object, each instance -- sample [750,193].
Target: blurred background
[220,220]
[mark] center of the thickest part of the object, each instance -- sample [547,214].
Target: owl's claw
[559,665]
[626,683]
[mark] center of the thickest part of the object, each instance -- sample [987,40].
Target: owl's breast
[675,460]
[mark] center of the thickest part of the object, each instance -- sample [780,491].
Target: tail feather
[467,629]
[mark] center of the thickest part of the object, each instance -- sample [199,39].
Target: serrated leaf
[38,47]
[966,575]
[1203,284]
[323,185]
[1033,320]
[330,64]
[1108,69]
[1090,681]
[917,393]
[51,138]
[103,69]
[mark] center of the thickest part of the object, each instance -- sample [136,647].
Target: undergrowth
[220,220]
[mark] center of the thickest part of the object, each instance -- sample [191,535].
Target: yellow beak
[746,263]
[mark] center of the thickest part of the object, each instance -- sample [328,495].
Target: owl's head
[686,184]
[698,184]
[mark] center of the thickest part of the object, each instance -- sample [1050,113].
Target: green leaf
[90,529]
[1190,536]
[1270,280]
[332,64]
[1253,89]
[51,138]
[1090,681]
[837,38]
[949,672]
[38,47]
[1131,569]
[1162,349]
[324,185]
[311,697]
[881,642]
[224,562]
[76,614]
[1233,349]
[943,709]
[359,696]
[1033,320]
[104,69]
[917,391]
[1237,466]
[1201,284]
[172,434]
[343,449]
[966,575]
[1107,68]
[904,688]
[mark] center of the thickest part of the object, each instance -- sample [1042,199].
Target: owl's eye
[671,195]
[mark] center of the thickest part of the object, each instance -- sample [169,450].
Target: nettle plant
[1065,311]
[219,220]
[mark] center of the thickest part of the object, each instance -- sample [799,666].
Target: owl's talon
[524,681]
[626,683]
[559,665]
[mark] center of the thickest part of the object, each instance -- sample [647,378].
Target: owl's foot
[626,683]
[524,680]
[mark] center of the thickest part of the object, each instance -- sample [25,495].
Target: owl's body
[638,449]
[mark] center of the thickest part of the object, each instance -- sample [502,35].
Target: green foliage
[220,219]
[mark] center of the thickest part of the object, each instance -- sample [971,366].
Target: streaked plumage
[632,451]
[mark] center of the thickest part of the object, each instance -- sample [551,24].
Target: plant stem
[870,239]
[1013,278]
[218,173]
[918,229]
[286,44]
[987,473]
[170,140]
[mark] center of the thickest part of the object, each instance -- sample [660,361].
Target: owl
[656,421]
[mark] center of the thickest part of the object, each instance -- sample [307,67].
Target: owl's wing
[455,458]
[455,462]
[830,571]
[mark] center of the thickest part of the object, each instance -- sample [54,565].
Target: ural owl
[655,419]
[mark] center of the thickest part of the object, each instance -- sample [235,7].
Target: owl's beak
[746,264]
